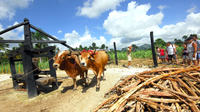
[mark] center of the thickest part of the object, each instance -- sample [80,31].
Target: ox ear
[91,57]
[76,58]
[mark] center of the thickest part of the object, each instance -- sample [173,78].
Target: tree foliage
[39,36]
[160,43]
[3,46]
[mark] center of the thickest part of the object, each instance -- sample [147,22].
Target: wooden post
[52,69]
[153,50]
[13,72]
[116,61]
[27,61]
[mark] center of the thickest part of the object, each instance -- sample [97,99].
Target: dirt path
[84,99]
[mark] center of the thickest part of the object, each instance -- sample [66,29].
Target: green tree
[160,43]
[103,46]
[94,45]
[184,37]
[80,47]
[39,36]
[134,46]
[178,42]
[3,46]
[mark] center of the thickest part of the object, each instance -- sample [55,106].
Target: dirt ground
[84,99]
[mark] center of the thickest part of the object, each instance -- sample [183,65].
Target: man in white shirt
[171,52]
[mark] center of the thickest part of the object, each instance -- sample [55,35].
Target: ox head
[86,57]
[64,56]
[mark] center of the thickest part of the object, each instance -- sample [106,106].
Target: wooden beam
[12,27]
[39,30]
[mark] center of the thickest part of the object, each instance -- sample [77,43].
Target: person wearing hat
[129,56]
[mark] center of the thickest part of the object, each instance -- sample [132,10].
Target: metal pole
[116,61]
[153,50]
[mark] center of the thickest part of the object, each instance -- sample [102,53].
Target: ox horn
[70,52]
[75,53]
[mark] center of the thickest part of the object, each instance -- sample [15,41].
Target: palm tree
[39,36]
[103,46]
[3,46]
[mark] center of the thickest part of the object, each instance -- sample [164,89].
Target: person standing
[184,53]
[162,55]
[158,53]
[171,52]
[192,51]
[129,56]
[195,38]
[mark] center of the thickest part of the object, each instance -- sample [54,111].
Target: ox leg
[98,80]
[86,78]
[74,81]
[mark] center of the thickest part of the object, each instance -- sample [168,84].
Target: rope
[33,70]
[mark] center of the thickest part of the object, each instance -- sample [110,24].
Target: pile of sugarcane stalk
[158,90]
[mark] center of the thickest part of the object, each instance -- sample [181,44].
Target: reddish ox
[96,61]
[70,63]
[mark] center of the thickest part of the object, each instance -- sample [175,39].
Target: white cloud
[8,7]
[74,39]
[94,8]
[161,7]
[134,25]
[59,31]
[16,34]
[192,10]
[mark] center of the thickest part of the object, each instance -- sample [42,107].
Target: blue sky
[125,22]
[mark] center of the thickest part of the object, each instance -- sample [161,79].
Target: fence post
[153,50]
[27,61]
[115,50]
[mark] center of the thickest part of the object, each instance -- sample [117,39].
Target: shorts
[162,57]
[185,57]
[198,55]
[129,58]
[170,57]
[190,56]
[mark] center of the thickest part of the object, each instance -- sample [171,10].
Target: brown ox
[96,61]
[70,63]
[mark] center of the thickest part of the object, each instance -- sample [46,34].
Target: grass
[122,55]
[136,54]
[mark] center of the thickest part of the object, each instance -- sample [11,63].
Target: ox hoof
[87,81]
[97,89]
